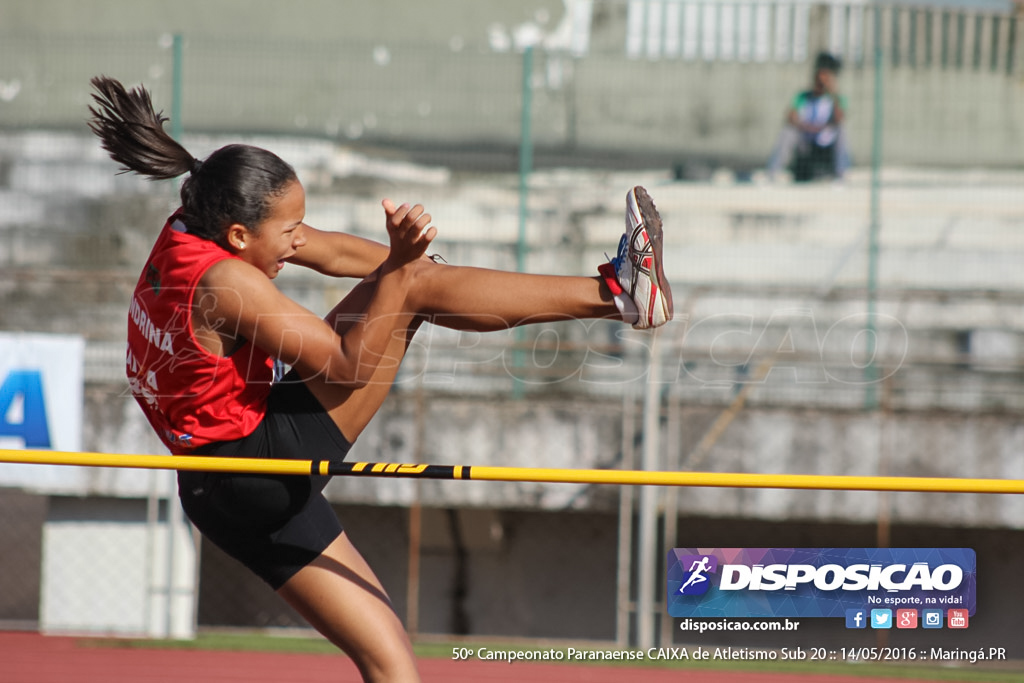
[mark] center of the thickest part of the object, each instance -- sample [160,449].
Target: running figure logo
[696,580]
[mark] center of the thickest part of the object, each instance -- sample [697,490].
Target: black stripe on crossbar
[382,469]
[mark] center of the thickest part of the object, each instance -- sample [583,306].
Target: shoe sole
[652,221]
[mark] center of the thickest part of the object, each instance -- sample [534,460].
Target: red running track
[33,658]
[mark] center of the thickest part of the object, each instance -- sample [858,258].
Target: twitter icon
[881,618]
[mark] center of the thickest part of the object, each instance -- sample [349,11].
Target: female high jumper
[207,328]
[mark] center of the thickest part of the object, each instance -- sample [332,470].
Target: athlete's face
[280,235]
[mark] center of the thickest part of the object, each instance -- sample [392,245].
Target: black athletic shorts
[273,524]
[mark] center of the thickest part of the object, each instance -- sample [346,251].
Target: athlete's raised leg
[460,298]
[632,287]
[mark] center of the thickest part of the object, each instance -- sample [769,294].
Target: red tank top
[190,396]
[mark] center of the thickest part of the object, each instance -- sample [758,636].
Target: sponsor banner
[41,386]
[820,582]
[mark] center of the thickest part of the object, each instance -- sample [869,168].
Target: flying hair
[132,131]
[234,184]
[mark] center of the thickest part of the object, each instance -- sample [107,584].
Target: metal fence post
[871,369]
[177,80]
[525,166]
[650,497]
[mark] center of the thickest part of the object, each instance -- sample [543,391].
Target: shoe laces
[622,253]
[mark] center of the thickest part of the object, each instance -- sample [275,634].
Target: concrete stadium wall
[426,78]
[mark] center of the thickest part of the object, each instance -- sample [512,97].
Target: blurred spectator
[814,139]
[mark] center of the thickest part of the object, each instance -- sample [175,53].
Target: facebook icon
[856,618]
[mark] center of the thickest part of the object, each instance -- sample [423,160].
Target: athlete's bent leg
[339,595]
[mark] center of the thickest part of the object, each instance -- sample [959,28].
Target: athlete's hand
[407,231]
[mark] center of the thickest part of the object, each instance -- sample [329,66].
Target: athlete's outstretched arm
[339,254]
[234,296]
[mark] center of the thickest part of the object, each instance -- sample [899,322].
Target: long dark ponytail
[235,184]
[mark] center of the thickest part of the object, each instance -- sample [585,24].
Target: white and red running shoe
[636,270]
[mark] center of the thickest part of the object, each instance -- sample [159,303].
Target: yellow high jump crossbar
[546,475]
